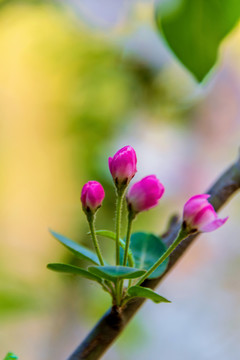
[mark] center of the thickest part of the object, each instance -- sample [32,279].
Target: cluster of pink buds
[142,196]
[198,213]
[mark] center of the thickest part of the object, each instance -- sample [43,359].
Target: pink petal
[205,216]
[214,225]
[194,205]
[123,164]
[145,194]
[92,195]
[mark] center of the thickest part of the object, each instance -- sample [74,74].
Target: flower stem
[90,218]
[118,223]
[128,236]
[181,236]
[108,287]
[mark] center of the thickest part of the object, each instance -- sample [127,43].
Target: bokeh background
[79,80]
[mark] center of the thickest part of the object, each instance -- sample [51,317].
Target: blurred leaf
[71,269]
[195,29]
[76,249]
[114,273]
[139,291]
[10,356]
[112,235]
[147,249]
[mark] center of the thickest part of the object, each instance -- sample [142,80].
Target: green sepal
[147,249]
[139,291]
[71,269]
[81,251]
[115,273]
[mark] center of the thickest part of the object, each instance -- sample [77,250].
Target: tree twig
[114,321]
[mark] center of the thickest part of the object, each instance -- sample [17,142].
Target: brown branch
[114,321]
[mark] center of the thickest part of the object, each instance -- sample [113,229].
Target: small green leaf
[114,273]
[10,356]
[194,30]
[77,249]
[106,233]
[112,235]
[70,269]
[147,249]
[139,291]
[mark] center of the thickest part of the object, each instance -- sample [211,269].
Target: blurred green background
[79,80]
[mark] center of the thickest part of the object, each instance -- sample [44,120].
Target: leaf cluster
[145,249]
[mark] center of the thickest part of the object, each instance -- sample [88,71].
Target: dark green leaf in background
[139,291]
[147,249]
[194,30]
[114,273]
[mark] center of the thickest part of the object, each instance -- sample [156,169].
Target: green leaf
[194,30]
[10,356]
[114,273]
[77,249]
[112,235]
[70,269]
[147,249]
[108,234]
[139,291]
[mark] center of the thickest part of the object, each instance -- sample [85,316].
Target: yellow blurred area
[36,179]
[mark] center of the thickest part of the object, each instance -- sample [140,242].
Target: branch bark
[114,321]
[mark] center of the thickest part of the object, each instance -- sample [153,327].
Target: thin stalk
[94,238]
[128,236]
[107,289]
[110,288]
[181,236]
[118,224]
[131,260]
[129,283]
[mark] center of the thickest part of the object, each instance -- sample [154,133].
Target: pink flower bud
[92,196]
[145,194]
[199,214]
[123,165]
